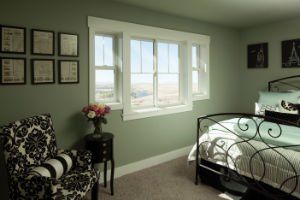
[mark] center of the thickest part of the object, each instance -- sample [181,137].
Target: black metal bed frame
[210,169]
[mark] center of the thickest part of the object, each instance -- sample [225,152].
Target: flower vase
[98,128]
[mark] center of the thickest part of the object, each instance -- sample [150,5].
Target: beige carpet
[173,180]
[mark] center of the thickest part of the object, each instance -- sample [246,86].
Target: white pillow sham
[273,98]
[261,108]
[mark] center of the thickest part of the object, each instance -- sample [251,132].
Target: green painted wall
[137,139]
[254,80]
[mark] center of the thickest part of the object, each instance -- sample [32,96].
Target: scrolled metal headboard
[283,81]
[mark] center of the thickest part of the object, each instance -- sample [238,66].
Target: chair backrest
[28,143]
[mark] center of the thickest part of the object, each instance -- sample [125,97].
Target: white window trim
[203,73]
[117,103]
[129,31]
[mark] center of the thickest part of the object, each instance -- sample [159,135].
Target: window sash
[155,72]
[114,67]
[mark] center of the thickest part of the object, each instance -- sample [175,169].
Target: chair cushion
[54,168]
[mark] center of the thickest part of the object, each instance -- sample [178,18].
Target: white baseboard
[146,163]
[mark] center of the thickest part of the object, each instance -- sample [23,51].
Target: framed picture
[12,39]
[290,53]
[13,71]
[42,71]
[42,42]
[258,55]
[68,71]
[68,44]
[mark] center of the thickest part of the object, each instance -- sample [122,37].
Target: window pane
[174,57]
[104,54]
[135,56]
[162,57]
[147,56]
[195,81]
[104,85]
[99,50]
[194,56]
[168,88]
[142,89]
[108,51]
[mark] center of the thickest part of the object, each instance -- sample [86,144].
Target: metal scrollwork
[254,138]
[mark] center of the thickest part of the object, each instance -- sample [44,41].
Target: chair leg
[95,191]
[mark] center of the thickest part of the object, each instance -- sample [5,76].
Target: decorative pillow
[288,107]
[55,167]
[272,98]
[261,108]
[283,118]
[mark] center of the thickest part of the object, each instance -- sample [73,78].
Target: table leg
[112,177]
[95,191]
[105,173]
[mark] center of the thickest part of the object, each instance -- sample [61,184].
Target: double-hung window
[199,72]
[155,73]
[105,71]
[146,71]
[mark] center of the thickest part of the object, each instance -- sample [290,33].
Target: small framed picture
[42,71]
[42,42]
[290,53]
[68,44]
[12,39]
[258,55]
[68,71]
[13,71]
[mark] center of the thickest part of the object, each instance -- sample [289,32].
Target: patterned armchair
[27,144]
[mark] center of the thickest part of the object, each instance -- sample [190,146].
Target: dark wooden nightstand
[102,152]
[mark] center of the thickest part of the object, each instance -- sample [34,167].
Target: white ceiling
[232,13]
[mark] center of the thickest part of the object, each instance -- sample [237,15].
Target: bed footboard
[253,151]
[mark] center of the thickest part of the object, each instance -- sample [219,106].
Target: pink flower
[107,109]
[95,108]
[98,110]
[85,109]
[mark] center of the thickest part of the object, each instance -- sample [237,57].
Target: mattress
[235,145]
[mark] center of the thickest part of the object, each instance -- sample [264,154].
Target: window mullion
[168,58]
[155,74]
[141,57]
[103,47]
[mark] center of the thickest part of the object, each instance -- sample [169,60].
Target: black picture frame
[3,37]
[35,51]
[63,42]
[34,68]
[258,55]
[63,80]
[3,75]
[290,53]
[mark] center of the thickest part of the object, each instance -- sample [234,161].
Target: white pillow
[287,107]
[55,167]
[261,108]
[272,98]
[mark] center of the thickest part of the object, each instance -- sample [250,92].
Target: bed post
[197,153]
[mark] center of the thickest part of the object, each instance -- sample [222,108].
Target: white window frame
[203,71]
[129,31]
[115,103]
[155,74]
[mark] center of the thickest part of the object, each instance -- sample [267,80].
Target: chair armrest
[81,158]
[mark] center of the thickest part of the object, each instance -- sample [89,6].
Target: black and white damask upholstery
[28,144]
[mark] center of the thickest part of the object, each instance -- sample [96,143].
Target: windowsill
[157,111]
[114,106]
[200,96]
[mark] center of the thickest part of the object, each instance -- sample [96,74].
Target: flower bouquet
[96,113]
